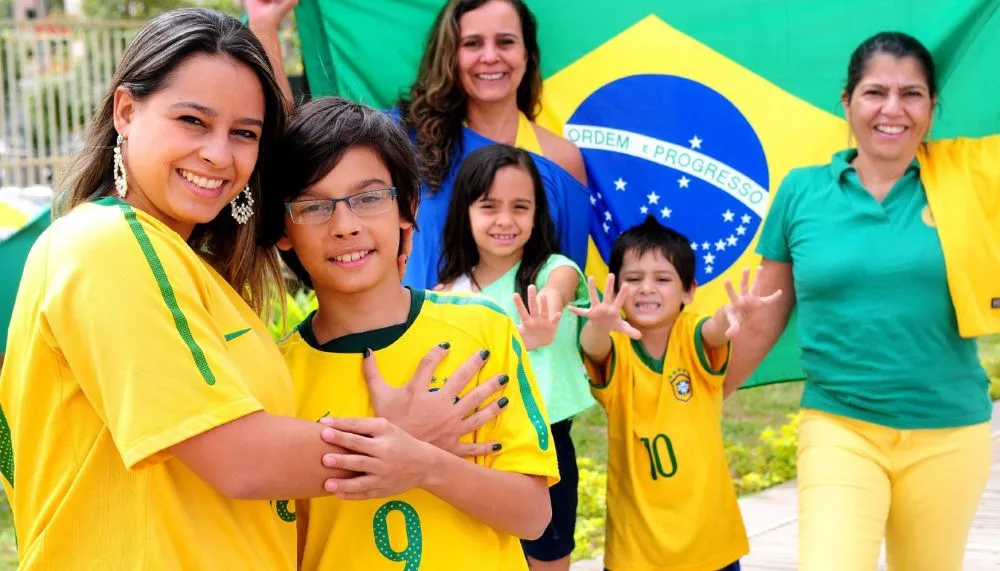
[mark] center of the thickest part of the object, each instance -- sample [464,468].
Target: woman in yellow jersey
[891,253]
[143,399]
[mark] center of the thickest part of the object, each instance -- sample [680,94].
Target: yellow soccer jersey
[671,503]
[123,343]
[416,530]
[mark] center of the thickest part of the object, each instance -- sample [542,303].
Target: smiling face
[191,147]
[658,292]
[349,253]
[891,108]
[491,53]
[502,219]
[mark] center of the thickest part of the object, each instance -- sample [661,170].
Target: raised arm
[753,342]
[265,20]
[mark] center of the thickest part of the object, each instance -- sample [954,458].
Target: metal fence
[52,76]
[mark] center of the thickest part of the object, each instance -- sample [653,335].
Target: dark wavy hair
[435,107]
[474,179]
[318,135]
[157,49]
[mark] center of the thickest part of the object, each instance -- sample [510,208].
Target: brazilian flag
[692,112]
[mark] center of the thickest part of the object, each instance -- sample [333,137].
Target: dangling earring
[118,170]
[243,212]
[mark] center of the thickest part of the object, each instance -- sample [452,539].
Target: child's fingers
[522,311]
[632,332]
[730,290]
[771,298]
[592,288]
[745,282]
[624,293]
[352,462]
[465,372]
[755,288]
[582,312]
[609,289]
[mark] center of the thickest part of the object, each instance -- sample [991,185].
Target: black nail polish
[504,379]
[444,345]
[502,402]
[497,447]
[367,353]
[456,400]
[484,354]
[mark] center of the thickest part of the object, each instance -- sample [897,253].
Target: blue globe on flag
[672,148]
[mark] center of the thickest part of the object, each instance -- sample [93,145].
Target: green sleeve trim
[6,450]
[528,398]
[167,291]
[699,344]
[481,301]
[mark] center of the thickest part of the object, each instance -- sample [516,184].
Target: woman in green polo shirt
[891,252]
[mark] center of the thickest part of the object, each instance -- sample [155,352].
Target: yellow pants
[861,482]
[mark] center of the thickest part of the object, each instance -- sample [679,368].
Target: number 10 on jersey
[660,442]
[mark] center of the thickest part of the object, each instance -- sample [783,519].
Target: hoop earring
[243,212]
[118,169]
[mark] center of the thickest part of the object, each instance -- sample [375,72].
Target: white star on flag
[665,212]
[695,142]
[741,230]
[709,258]
[683,182]
[653,197]
[708,269]
[694,246]
[731,240]
[727,216]
[745,219]
[720,245]
[599,195]
[607,215]
[593,201]
[643,210]
[606,229]
[705,246]
[620,184]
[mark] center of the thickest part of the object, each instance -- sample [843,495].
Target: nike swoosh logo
[235,334]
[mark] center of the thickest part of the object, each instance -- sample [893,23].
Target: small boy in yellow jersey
[658,373]
[348,188]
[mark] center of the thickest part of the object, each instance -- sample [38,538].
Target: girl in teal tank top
[500,241]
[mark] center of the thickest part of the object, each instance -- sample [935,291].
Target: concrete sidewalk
[771,519]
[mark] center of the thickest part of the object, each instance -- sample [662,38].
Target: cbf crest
[680,384]
[672,148]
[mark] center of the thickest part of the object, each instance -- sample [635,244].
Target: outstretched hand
[606,314]
[538,324]
[743,308]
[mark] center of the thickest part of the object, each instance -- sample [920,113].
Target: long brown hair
[157,49]
[436,105]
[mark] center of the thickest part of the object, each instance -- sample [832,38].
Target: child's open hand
[606,314]
[538,324]
[742,309]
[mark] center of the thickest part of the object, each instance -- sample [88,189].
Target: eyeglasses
[319,210]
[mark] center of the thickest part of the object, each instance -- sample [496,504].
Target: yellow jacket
[962,181]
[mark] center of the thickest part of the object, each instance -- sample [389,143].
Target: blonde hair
[157,49]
